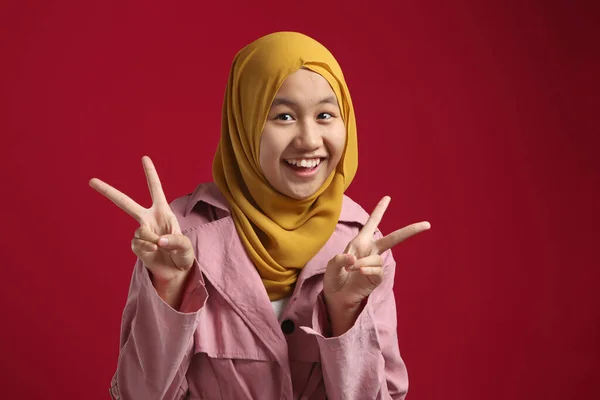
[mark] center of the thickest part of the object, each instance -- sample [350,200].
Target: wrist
[171,291]
[342,316]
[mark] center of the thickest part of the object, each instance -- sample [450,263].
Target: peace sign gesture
[158,242]
[352,276]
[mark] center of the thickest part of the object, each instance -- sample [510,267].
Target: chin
[298,195]
[301,193]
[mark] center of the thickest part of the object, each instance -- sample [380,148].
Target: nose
[309,137]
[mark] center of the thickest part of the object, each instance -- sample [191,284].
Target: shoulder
[205,204]
[352,218]
[352,212]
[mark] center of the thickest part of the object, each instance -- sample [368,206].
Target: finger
[145,233]
[373,272]
[389,241]
[156,191]
[120,199]
[141,247]
[350,249]
[374,260]
[341,261]
[376,216]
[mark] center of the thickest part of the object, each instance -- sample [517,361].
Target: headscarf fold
[280,234]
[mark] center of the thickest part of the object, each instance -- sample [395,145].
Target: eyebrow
[288,102]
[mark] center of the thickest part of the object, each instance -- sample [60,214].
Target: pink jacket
[226,341]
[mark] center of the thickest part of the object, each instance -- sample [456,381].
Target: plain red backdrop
[478,116]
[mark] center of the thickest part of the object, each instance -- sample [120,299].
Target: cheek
[263,155]
[338,143]
[269,151]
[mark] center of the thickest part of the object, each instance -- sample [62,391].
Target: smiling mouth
[306,163]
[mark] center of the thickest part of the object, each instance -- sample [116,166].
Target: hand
[351,277]
[158,242]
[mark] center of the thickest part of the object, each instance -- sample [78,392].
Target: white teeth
[305,163]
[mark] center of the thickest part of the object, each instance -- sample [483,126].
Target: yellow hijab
[280,234]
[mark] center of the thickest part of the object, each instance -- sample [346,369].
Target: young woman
[269,283]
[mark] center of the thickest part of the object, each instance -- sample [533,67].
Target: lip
[303,173]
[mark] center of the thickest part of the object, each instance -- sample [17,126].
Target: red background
[474,115]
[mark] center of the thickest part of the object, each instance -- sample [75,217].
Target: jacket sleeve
[156,343]
[365,362]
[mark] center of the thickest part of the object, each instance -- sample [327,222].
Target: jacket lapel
[226,265]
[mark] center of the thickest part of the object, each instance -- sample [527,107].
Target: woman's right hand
[158,242]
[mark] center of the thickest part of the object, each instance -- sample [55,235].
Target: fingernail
[163,241]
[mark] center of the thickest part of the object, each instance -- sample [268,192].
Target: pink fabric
[226,342]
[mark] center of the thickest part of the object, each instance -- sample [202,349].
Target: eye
[325,115]
[284,117]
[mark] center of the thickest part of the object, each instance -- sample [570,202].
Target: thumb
[180,249]
[174,243]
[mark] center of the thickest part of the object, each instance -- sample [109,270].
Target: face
[304,135]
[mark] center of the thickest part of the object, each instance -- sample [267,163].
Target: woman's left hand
[351,277]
